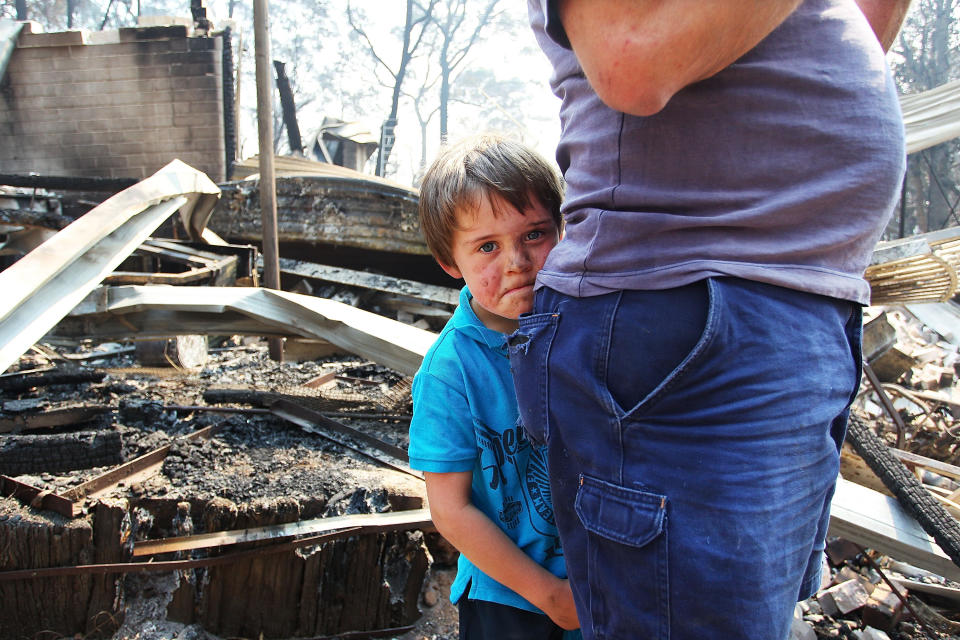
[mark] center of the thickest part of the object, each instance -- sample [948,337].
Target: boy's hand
[558,604]
[492,551]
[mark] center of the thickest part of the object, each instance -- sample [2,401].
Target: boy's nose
[520,260]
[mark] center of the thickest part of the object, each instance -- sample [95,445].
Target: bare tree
[424,116]
[414,28]
[928,51]
[459,31]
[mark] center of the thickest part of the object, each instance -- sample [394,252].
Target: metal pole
[268,183]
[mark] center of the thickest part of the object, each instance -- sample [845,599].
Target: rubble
[192,486]
[256,470]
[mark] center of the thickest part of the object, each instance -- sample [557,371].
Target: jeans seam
[603,365]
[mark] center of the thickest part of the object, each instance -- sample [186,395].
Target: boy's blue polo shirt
[465,418]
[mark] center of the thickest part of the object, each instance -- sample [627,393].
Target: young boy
[490,213]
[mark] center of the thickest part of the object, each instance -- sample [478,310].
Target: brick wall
[112,104]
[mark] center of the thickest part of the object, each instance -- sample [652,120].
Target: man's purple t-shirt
[783,168]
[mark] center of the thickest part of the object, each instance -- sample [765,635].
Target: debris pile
[157,468]
[250,470]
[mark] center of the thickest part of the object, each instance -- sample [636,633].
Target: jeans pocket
[654,337]
[627,570]
[529,348]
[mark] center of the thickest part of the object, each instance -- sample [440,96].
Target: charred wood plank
[344,208]
[53,453]
[162,566]
[66,183]
[28,218]
[433,294]
[57,605]
[17,383]
[56,417]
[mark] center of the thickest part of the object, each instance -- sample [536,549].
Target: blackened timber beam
[13,383]
[66,183]
[30,218]
[52,418]
[434,294]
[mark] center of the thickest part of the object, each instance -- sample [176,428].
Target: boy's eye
[487,247]
[535,235]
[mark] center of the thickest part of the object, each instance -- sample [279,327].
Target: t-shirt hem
[816,280]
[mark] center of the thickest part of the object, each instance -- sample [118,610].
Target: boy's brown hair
[483,166]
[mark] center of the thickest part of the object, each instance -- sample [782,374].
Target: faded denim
[693,438]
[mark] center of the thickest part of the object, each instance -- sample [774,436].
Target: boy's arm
[492,551]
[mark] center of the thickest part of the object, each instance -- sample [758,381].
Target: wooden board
[874,520]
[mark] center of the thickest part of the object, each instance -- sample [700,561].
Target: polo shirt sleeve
[552,24]
[442,439]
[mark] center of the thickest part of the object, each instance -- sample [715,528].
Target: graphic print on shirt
[501,459]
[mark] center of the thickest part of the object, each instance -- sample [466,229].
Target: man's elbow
[633,96]
[629,91]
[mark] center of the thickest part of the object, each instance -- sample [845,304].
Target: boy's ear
[452,271]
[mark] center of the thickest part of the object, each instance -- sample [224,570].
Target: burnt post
[268,183]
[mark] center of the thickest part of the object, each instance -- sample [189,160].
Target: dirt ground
[439,620]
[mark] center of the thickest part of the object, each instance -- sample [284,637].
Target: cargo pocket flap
[624,515]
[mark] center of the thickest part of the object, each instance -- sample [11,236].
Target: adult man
[695,341]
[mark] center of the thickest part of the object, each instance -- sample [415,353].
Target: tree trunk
[387,137]
[444,95]
[21,9]
[289,110]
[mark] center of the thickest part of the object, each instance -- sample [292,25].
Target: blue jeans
[693,441]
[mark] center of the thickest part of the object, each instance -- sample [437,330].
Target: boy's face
[499,255]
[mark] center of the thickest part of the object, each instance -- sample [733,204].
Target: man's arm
[638,53]
[489,548]
[886,18]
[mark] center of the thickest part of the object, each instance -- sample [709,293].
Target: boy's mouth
[519,289]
